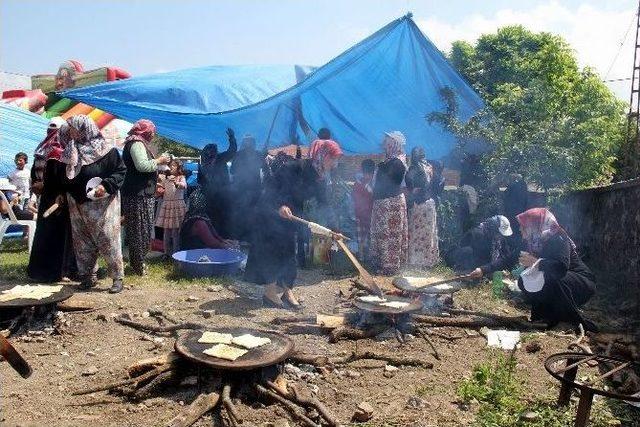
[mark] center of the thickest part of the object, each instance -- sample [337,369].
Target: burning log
[200,406]
[350,333]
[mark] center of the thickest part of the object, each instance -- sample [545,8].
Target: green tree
[546,118]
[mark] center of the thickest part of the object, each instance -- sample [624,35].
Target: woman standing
[389,228]
[272,258]
[51,257]
[423,228]
[138,191]
[95,214]
[557,282]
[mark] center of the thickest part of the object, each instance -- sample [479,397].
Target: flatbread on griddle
[395,304]
[250,341]
[226,352]
[36,292]
[372,298]
[209,337]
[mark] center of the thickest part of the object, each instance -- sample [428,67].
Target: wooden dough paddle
[54,207]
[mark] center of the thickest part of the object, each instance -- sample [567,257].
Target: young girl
[173,208]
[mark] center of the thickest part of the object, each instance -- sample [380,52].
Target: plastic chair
[12,220]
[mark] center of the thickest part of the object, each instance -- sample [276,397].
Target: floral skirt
[423,235]
[389,234]
[171,214]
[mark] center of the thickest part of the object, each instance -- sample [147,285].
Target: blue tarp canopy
[20,130]
[389,81]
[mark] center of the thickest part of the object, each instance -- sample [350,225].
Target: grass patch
[494,387]
[14,259]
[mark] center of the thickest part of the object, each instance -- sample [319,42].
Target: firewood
[200,406]
[305,329]
[293,409]
[297,397]
[144,365]
[431,344]
[118,384]
[292,319]
[518,322]
[232,412]
[394,360]
[347,332]
[166,378]
[124,319]
[310,359]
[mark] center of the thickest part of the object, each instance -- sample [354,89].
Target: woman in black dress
[52,256]
[560,282]
[272,257]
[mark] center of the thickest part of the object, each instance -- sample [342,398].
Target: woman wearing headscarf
[485,248]
[138,191]
[557,282]
[94,211]
[51,257]
[423,228]
[214,179]
[272,257]
[197,230]
[389,228]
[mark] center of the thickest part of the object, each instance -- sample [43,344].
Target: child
[363,204]
[173,208]
[21,177]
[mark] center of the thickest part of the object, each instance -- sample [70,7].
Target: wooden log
[310,359]
[126,320]
[200,406]
[229,406]
[520,322]
[293,409]
[144,365]
[394,360]
[305,329]
[298,398]
[118,384]
[292,319]
[165,378]
[347,332]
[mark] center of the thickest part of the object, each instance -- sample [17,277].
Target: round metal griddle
[375,307]
[64,293]
[404,284]
[275,352]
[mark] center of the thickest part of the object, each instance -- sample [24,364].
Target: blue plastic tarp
[20,131]
[389,81]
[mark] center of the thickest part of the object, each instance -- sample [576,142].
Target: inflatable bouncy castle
[42,98]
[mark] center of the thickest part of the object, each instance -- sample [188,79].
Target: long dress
[52,256]
[246,189]
[423,228]
[389,227]
[272,256]
[568,284]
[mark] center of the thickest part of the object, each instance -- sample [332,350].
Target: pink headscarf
[143,130]
[321,149]
[540,224]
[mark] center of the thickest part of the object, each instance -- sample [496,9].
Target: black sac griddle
[276,351]
[65,293]
[375,307]
[413,285]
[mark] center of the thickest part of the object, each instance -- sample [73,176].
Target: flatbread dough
[421,282]
[372,298]
[443,287]
[250,341]
[36,292]
[395,304]
[215,338]
[226,352]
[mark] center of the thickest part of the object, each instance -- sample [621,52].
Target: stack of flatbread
[229,347]
[35,292]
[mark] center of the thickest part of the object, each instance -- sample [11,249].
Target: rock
[416,403]
[352,374]
[158,342]
[192,298]
[145,314]
[208,314]
[391,368]
[529,416]
[363,413]
[92,370]
[214,288]
[91,353]
[39,339]
[533,347]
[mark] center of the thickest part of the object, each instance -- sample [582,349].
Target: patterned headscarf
[321,149]
[393,145]
[539,224]
[49,148]
[490,228]
[143,130]
[89,148]
[419,159]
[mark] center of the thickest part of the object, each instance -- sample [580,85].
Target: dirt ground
[411,397]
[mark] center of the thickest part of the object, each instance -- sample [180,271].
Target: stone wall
[605,225]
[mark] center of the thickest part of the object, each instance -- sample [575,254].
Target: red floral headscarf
[539,224]
[321,149]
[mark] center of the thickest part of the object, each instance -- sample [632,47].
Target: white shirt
[22,180]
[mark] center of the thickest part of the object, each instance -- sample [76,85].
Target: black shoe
[88,283]
[116,287]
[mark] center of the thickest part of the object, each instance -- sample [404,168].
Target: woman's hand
[476,274]
[162,159]
[285,212]
[37,187]
[60,200]
[527,259]
[100,191]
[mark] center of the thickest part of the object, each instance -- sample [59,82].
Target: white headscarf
[88,149]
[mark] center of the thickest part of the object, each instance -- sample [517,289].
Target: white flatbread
[250,341]
[443,287]
[372,298]
[395,304]
[36,292]
[215,338]
[226,352]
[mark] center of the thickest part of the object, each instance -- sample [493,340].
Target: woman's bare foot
[272,295]
[289,297]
